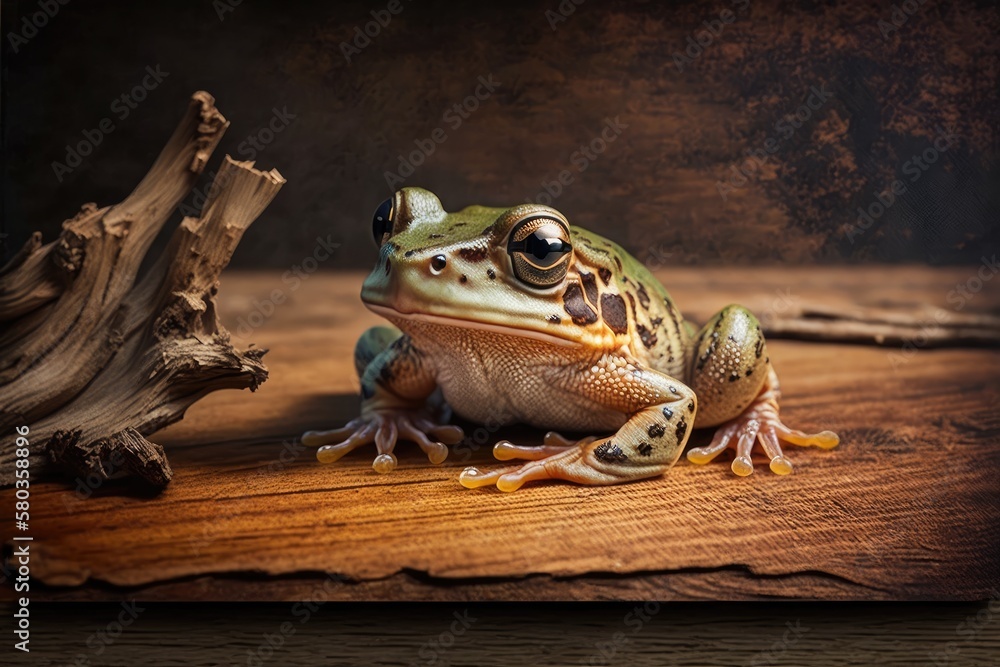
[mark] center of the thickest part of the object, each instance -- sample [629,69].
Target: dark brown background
[654,189]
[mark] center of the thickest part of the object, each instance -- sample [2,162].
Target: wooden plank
[907,507]
[538,635]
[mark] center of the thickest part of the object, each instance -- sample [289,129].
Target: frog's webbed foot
[760,422]
[384,428]
[570,464]
[645,446]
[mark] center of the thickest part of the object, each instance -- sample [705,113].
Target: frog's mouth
[477,325]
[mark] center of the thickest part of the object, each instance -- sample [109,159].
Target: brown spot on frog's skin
[631,303]
[656,321]
[643,296]
[473,254]
[647,337]
[690,406]
[436,236]
[682,428]
[668,413]
[613,313]
[576,306]
[657,430]
[605,275]
[491,273]
[618,263]
[610,453]
[554,319]
[645,448]
[409,253]
[463,278]
[589,287]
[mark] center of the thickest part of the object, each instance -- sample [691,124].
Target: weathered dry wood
[495,635]
[906,507]
[919,327]
[94,359]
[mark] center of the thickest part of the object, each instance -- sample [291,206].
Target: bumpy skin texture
[602,349]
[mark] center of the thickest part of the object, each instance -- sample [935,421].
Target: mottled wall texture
[737,131]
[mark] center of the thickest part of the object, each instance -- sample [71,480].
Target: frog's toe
[319,438]
[436,452]
[506,479]
[331,453]
[552,445]
[760,423]
[384,429]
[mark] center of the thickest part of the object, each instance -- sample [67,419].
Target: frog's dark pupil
[382,221]
[546,250]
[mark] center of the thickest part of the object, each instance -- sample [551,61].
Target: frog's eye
[382,221]
[540,251]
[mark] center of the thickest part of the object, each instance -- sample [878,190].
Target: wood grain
[536,635]
[907,507]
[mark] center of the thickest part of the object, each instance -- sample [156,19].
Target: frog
[512,314]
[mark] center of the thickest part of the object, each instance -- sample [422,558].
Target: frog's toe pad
[759,424]
[506,479]
[384,428]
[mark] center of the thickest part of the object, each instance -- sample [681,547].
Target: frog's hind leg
[645,446]
[738,392]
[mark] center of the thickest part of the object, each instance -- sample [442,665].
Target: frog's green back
[659,334]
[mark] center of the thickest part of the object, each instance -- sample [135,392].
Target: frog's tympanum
[514,315]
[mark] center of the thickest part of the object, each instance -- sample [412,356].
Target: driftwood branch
[95,357]
[922,327]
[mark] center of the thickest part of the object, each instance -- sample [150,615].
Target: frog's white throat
[392,314]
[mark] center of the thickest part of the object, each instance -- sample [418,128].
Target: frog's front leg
[661,416]
[399,400]
[738,390]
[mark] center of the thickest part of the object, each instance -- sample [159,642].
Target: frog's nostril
[388,265]
[438,262]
